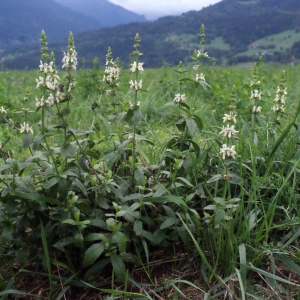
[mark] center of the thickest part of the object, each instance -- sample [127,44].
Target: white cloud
[158,8]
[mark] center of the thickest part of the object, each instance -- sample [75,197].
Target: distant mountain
[107,13]
[21,22]
[236,31]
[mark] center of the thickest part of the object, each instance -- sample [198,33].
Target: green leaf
[67,150]
[185,181]
[243,261]
[70,221]
[294,267]
[215,178]
[16,292]
[129,115]
[121,239]
[77,183]
[191,125]
[46,250]
[169,222]
[106,124]
[269,275]
[38,198]
[219,216]
[26,140]
[50,183]
[64,242]
[138,227]
[93,154]
[92,254]
[37,141]
[79,131]
[82,162]
[165,199]
[119,267]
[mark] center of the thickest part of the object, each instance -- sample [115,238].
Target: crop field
[122,182]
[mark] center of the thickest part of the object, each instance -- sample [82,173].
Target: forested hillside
[107,13]
[233,30]
[21,22]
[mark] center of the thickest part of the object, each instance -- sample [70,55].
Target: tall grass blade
[47,256]
[239,276]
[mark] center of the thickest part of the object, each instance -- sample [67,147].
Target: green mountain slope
[104,11]
[231,26]
[22,21]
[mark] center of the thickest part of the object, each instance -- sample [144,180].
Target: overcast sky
[157,8]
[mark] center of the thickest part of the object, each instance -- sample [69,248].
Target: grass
[219,43]
[138,202]
[280,42]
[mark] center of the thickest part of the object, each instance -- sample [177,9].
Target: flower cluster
[179,98]
[70,59]
[46,68]
[202,54]
[200,77]
[3,111]
[132,106]
[228,131]
[26,128]
[231,117]
[136,67]
[228,151]
[255,95]
[280,98]
[111,74]
[136,85]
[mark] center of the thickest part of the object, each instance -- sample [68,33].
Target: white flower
[71,85]
[256,109]
[195,67]
[2,110]
[200,77]
[228,151]
[278,108]
[254,83]
[130,136]
[43,67]
[26,128]
[136,85]
[255,95]
[52,81]
[135,66]
[277,98]
[230,117]
[39,103]
[282,99]
[228,131]
[202,54]
[112,73]
[59,96]
[179,98]
[50,100]
[70,60]
[39,81]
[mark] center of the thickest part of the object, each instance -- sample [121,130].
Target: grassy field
[280,42]
[136,183]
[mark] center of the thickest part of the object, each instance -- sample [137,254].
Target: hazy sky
[158,8]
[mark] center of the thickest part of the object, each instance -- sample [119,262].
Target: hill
[21,22]
[232,27]
[107,13]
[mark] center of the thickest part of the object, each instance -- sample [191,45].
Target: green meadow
[123,182]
